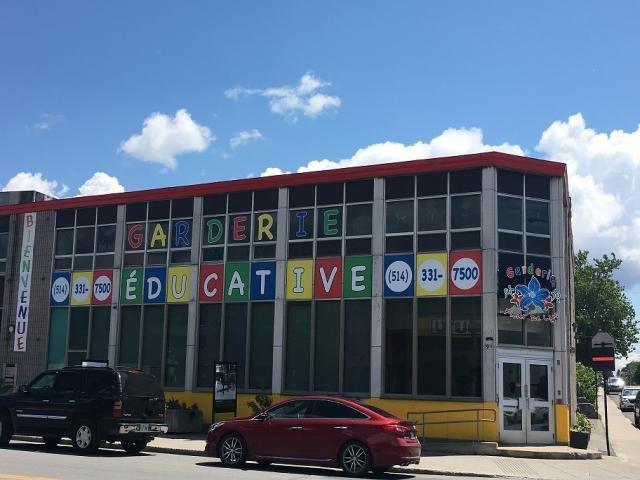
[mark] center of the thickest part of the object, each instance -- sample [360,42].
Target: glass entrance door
[524,389]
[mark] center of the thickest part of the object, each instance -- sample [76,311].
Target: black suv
[88,404]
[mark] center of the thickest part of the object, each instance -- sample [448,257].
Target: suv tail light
[400,430]
[117,409]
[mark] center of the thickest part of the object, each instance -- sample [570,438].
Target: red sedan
[327,431]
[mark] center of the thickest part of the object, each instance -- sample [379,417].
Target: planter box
[579,439]
[184,421]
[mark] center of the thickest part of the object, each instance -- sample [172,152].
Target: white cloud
[100,183]
[48,121]
[35,181]
[289,101]
[450,142]
[163,138]
[244,137]
[270,171]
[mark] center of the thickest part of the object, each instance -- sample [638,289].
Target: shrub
[587,382]
[261,403]
[582,423]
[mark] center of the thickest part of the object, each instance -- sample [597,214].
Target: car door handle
[72,401]
[295,428]
[45,401]
[341,428]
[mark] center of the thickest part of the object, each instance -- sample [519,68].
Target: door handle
[295,428]
[45,401]
[72,401]
[341,428]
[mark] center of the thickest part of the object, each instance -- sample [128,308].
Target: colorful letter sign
[328,278]
[299,280]
[236,281]
[263,281]
[102,287]
[81,288]
[179,284]
[398,275]
[431,274]
[154,284]
[465,272]
[24,286]
[60,289]
[357,277]
[131,285]
[211,283]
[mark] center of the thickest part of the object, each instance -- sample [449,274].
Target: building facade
[424,286]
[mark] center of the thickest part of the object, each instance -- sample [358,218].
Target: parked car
[628,397]
[326,431]
[614,384]
[89,404]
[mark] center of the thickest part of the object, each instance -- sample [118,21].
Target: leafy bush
[174,404]
[261,403]
[587,382]
[582,423]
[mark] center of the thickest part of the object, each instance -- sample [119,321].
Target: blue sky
[556,80]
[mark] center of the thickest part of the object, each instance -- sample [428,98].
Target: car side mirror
[23,389]
[263,416]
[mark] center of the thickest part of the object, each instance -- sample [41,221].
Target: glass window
[432,346]
[265,199]
[64,242]
[330,193]
[537,186]
[107,214]
[136,212]
[399,187]
[79,328]
[4,224]
[104,261]
[293,409]
[399,244]
[540,245]
[358,246]
[537,217]
[83,262]
[84,240]
[466,346]
[400,216]
[398,345]
[301,224]
[264,251]
[506,260]
[157,235]
[432,214]
[465,240]
[152,333]
[57,337]
[510,213]
[65,218]
[239,202]
[62,263]
[265,227]
[4,244]
[157,258]
[329,409]
[297,346]
[43,382]
[86,216]
[213,254]
[101,382]
[357,346]
[327,346]
[465,181]
[180,256]
[238,253]
[329,222]
[208,342]
[176,351]
[68,382]
[432,184]
[159,210]
[106,241]
[300,249]
[435,242]
[509,182]
[182,207]
[465,211]
[510,241]
[235,337]
[213,204]
[129,336]
[329,248]
[261,350]
[539,333]
[101,319]
[360,191]
[303,196]
[509,329]
[359,219]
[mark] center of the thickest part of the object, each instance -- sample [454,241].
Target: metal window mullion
[341,343]
[223,328]
[247,349]
[89,331]
[449,359]
[66,350]
[414,353]
[165,329]
[140,335]
[312,347]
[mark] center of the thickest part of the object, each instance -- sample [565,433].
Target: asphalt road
[29,461]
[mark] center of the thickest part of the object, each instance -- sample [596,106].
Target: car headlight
[215,425]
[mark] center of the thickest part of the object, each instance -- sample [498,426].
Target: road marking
[7,476]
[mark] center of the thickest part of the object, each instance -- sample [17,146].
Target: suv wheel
[232,450]
[6,429]
[355,459]
[51,442]
[84,437]
[133,447]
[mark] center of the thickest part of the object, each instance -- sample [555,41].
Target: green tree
[631,373]
[601,304]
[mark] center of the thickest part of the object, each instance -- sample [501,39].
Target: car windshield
[139,384]
[615,380]
[630,392]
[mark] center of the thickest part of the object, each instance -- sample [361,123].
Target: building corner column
[377,306]
[277,372]
[112,349]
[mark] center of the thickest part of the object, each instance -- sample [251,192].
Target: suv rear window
[139,384]
[101,382]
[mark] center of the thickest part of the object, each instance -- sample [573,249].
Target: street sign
[603,352]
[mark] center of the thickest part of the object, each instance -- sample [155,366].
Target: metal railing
[478,418]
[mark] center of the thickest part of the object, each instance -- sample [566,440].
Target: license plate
[144,427]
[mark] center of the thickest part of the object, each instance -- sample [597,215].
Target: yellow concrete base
[562,416]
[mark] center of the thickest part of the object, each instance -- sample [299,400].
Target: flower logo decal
[532,294]
[531,301]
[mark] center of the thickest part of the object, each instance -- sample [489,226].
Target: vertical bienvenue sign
[24,283]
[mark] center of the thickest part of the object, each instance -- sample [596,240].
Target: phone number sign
[398,276]
[431,274]
[465,272]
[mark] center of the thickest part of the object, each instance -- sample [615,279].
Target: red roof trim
[411,167]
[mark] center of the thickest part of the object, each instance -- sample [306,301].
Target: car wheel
[232,450]
[84,437]
[264,463]
[355,459]
[133,447]
[6,429]
[51,442]
[379,470]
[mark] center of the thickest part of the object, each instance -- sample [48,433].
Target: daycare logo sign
[530,299]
